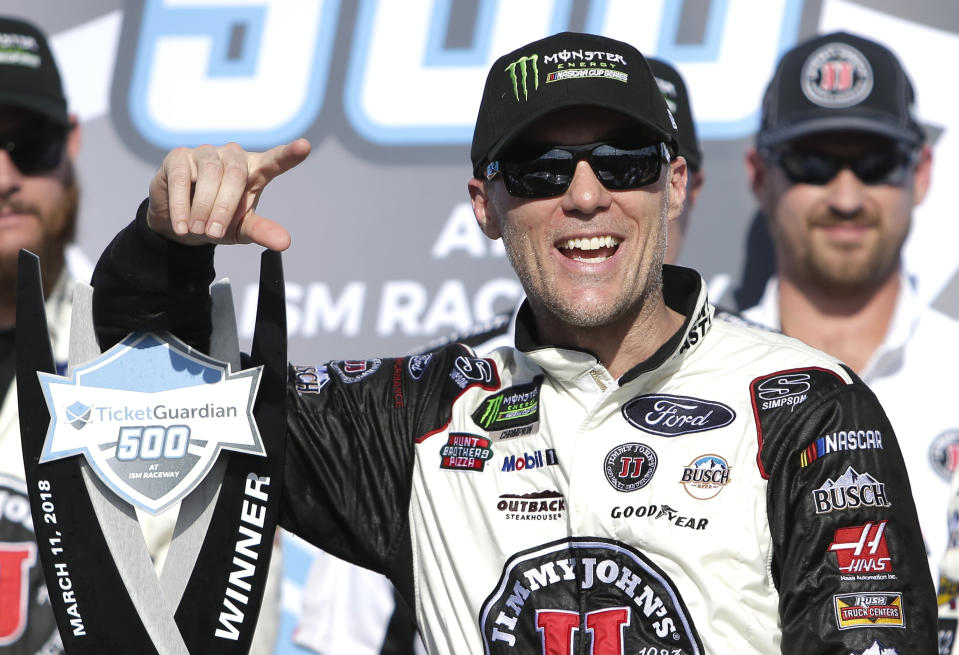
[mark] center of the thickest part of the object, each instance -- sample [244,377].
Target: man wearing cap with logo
[629,477]
[839,164]
[38,210]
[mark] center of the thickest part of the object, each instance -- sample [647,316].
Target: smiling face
[590,257]
[843,236]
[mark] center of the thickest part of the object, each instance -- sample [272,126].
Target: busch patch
[469,371]
[869,610]
[630,466]
[835,76]
[862,552]
[706,476]
[536,506]
[26,618]
[310,379]
[851,490]
[844,440]
[417,365]
[659,513]
[351,371]
[671,416]
[465,452]
[787,390]
[512,412]
[586,595]
[151,415]
[878,648]
[944,454]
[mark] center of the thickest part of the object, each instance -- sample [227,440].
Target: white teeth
[594,243]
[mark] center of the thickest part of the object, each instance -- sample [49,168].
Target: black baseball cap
[673,86]
[28,73]
[837,82]
[559,72]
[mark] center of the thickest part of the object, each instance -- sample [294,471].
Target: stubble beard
[59,230]
[624,308]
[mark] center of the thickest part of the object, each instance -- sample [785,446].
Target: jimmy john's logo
[465,452]
[671,416]
[630,466]
[851,490]
[869,610]
[836,75]
[537,506]
[944,454]
[787,390]
[351,371]
[513,412]
[586,596]
[705,476]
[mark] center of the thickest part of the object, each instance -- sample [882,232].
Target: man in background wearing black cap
[38,210]
[631,476]
[839,164]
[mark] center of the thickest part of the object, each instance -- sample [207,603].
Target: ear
[677,186]
[74,137]
[922,177]
[756,172]
[482,210]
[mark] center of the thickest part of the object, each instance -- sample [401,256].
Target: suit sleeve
[848,556]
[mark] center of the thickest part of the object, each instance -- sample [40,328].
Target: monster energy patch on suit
[513,412]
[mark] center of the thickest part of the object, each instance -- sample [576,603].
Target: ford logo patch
[671,416]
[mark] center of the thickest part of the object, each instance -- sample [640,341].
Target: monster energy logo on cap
[524,64]
[513,412]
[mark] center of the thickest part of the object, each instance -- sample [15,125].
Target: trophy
[151,423]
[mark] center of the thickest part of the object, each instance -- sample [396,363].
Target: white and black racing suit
[738,492]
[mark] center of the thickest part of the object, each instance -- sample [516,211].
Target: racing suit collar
[684,291]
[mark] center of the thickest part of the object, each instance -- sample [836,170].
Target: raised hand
[209,194]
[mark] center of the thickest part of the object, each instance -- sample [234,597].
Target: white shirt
[912,375]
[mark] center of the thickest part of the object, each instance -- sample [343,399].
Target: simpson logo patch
[671,416]
[869,610]
[469,371]
[512,412]
[586,596]
[465,452]
[787,390]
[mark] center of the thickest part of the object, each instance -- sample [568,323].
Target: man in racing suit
[632,476]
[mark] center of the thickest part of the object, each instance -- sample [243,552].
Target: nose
[10,176]
[846,194]
[586,194]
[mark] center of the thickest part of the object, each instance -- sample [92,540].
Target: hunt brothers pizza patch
[465,452]
[586,595]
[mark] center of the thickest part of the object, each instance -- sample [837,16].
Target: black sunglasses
[35,148]
[550,171]
[887,166]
